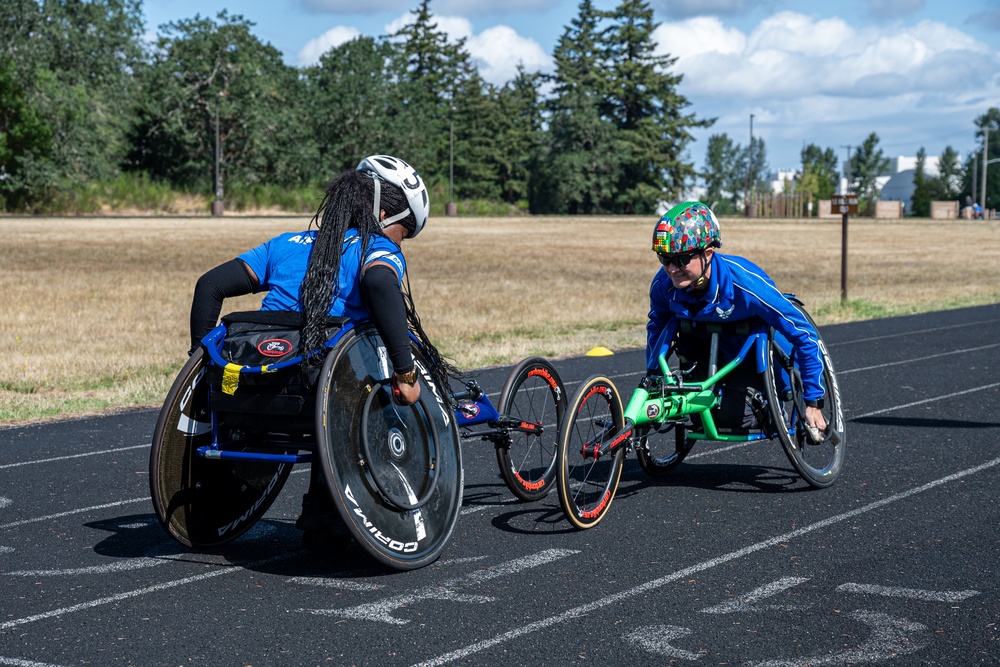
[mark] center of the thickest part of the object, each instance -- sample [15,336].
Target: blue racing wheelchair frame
[230,431]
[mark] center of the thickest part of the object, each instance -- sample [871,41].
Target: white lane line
[336,582]
[227,569]
[687,572]
[748,601]
[911,333]
[472,509]
[119,503]
[17,662]
[911,593]
[916,359]
[382,610]
[926,400]
[72,456]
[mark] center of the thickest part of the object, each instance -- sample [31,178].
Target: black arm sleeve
[384,301]
[229,279]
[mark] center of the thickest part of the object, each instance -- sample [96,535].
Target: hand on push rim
[405,393]
[816,423]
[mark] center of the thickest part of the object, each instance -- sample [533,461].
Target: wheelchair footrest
[209,452]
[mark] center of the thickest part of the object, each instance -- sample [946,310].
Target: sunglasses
[680,259]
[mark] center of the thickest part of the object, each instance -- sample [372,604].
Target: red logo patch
[274,347]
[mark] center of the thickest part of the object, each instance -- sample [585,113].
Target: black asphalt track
[729,560]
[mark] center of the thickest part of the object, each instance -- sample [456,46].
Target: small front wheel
[587,479]
[661,451]
[534,395]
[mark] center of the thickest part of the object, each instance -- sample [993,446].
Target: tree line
[84,100]
[87,104]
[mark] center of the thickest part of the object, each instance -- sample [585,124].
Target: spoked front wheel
[533,395]
[660,451]
[819,464]
[588,481]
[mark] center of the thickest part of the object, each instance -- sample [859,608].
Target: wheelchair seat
[283,400]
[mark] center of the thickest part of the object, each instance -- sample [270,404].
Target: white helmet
[397,172]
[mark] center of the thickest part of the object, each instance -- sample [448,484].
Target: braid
[347,204]
[441,369]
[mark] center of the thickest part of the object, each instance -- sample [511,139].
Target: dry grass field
[95,310]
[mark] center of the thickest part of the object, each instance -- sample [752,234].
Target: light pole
[217,205]
[750,208]
[986,149]
[451,209]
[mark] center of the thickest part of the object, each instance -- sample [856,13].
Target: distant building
[895,186]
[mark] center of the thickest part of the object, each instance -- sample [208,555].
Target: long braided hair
[347,204]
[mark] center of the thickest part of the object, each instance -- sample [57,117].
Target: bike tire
[533,393]
[587,485]
[400,491]
[818,464]
[204,503]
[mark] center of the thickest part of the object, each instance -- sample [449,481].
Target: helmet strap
[702,279]
[376,208]
[377,205]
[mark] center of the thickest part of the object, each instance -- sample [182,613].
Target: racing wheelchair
[667,415]
[244,410]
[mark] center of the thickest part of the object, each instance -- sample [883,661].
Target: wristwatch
[409,377]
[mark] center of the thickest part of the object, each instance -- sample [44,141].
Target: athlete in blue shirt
[699,283]
[351,265]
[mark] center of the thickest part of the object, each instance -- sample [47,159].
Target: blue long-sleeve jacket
[738,290]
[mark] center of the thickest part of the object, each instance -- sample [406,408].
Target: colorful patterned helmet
[686,227]
[397,172]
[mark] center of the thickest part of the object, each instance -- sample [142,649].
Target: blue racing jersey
[281,263]
[738,290]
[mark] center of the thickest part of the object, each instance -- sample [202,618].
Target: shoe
[316,513]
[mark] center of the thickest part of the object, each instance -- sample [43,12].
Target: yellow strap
[231,378]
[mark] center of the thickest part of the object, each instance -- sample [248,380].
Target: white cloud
[810,80]
[455,27]
[500,50]
[789,56]
[497,51]
[314,48]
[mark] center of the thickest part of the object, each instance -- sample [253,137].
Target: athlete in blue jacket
[352,265]
[699,283]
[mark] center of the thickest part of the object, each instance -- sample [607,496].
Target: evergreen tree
[723,180]
[580,152]
[867,164]
[753,164]
[357,107]
[987,124]
[647,111]
[920,202]
[820,174]
[446,91]
[950,174]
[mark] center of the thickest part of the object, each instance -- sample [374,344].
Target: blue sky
[830,72]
